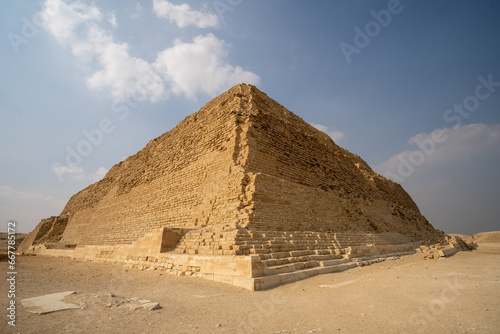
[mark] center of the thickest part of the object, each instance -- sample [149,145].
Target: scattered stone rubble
[111,300]
[447,248]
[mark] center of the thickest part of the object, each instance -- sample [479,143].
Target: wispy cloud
[6,191]
[454,145]
[27,208]
[184,68]
[112,19]
[138,11]
[68,170]
[77,173]
[183,16]
[98,174]
[335,135]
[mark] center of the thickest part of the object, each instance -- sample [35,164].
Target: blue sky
[413,87]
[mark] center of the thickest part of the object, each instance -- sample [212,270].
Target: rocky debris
[136,303]
[451,246]
[111,300]
[447,252]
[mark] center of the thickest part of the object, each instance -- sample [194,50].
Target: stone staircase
[286,267]
[284,262]
[284,257]
[207,242]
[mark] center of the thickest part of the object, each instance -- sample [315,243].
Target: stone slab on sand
[49,303]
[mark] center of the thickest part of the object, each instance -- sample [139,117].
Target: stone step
[301,253]
[329,263]
[290,267]
[326,257]
[285,268]
[275,261]
[279,267]
[266,282]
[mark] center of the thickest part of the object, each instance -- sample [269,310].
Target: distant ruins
[243,192]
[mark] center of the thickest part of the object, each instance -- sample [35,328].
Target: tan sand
[460,294]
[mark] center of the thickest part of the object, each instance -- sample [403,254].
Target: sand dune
[487,237]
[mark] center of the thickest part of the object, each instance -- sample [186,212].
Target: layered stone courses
[239,182]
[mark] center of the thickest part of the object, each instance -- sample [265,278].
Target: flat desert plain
[459,294]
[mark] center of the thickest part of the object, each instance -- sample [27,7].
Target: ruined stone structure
[244,192]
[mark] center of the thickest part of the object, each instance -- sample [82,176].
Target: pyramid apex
[242,96]
[242,88]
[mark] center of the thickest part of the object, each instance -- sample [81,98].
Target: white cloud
[451,174]
[183,16]
[62,19]
[189,68]
[335,135]
[123,74]
[445,145]
[77,173]
[201,67]
[70,170]
[98,174]
[462,142]
[112,19]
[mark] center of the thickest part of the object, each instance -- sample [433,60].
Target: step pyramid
[241,191]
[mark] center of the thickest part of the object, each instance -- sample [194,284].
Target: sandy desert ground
[460,294]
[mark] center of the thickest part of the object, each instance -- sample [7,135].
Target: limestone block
[447,252]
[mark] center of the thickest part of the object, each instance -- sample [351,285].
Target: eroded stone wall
[302,181]
[186,178]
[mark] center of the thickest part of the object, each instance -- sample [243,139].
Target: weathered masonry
[244,192]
